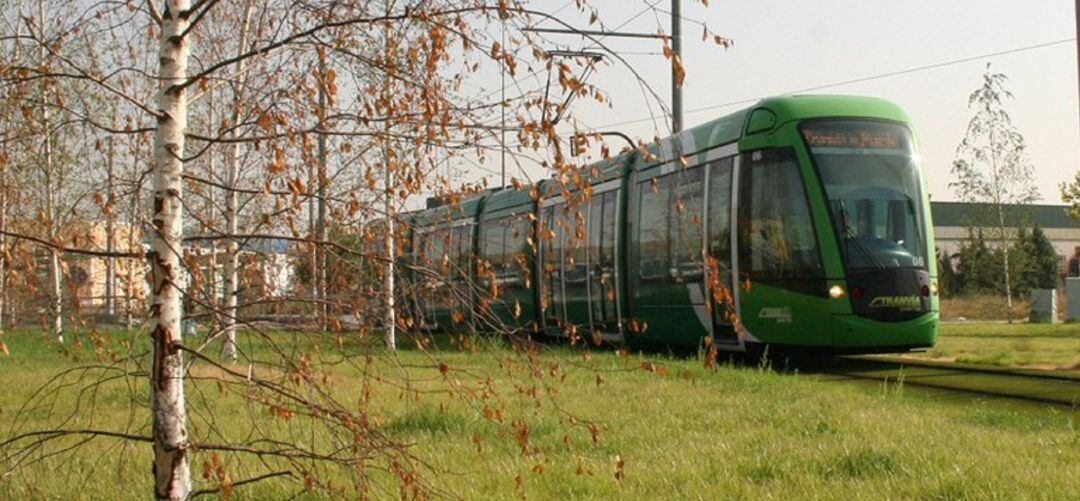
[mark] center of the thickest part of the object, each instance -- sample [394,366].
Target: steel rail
[1041,386]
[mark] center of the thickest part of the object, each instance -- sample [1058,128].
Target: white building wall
[950,238]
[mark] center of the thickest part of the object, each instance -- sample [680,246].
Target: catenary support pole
[676,48]
[502,113]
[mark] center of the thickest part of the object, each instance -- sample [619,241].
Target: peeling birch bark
[172,473]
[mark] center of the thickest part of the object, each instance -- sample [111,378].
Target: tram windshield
[870,174]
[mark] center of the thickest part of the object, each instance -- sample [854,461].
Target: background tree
[992,167]
[1070,194]
[976,266]
[948,280]
[1042,266]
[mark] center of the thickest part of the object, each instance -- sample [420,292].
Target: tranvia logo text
[781,315]
[900,302]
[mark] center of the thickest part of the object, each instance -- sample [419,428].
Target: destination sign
[853,136]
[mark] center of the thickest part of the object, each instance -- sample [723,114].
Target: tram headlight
[836,291]
[933,288]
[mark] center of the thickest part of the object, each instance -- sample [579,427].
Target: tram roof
[717,132]
[774,112]
[466,208]
[508,199]
[801,107]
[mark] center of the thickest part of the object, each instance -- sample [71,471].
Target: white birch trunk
[320,272]
[228,350]
[172,471]
[4,189]
[110,237]
[313,253]
[389,320]
[232,257]
[211,208]
[129,283]
[3,242]
[56,274]
[998,187]
[56,298]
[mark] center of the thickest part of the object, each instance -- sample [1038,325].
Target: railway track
[1061,389]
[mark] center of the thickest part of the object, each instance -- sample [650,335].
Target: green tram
[800,222]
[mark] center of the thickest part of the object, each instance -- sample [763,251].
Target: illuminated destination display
[878,138]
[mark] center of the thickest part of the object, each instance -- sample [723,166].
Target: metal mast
[676,48]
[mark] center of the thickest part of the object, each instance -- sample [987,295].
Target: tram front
[869,171]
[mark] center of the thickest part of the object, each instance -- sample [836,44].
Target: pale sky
[785,46]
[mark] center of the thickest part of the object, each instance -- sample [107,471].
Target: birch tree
[992,166]
[232,216]
[172,471]
[49,172]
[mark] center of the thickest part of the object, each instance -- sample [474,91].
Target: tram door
[722,280]
[688,321]
[433,248]
[601,266]
[579,286]
[575,265]
[551,297]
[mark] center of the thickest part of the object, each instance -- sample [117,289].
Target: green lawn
[1024,345]
[667,428]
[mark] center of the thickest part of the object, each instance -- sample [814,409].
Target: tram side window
[552,262]
[607,246]
[464,241]
[607,252]
[685,228]
[462,259]
[653,242]
[437,246]
[596,232]
[515,252]
[492,250]
[720,211]
[776,233]
[440,246]
[565,228]
[453,252]
[426,253]
[446,256]
[419,250]
[599,236]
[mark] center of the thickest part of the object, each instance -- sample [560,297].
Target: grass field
[662,429]
[1041,346]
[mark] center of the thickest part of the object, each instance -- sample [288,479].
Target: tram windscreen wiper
[850,238]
